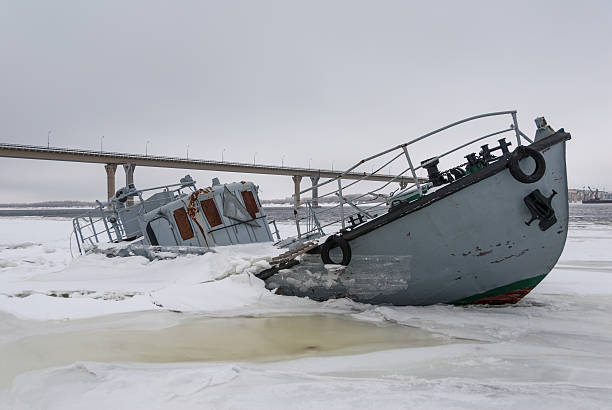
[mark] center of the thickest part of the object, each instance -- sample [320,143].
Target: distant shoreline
[279,212]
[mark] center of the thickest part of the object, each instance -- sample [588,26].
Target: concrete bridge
[130,161]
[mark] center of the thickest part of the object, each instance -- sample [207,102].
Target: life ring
[334,242]
[515,169]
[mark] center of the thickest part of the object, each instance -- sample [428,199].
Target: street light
[147,148]
[101,140]
[283,161]
[222,155]
[48,138]
[187,151]
[254,155]
[332,165]
[309,163]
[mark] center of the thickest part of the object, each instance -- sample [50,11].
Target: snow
[552,350]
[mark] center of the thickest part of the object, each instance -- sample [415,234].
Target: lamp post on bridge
[283,161]
[48,138]
[187,151]
[222,160]
[254,155]
[147,148]
[101,140]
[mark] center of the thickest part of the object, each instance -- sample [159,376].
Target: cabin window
[182,221]
[210,211]
[249,202]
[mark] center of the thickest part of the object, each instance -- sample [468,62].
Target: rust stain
[249,202]
[192,211]
[484,253]
[210,211]
[180,216]
[505,298]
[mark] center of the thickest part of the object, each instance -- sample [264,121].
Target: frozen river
[201,332]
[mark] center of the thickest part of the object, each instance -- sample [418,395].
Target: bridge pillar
[315,191]
[110,179]
[296,183]
[129,179]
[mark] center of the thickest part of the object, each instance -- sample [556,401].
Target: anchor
[540,208]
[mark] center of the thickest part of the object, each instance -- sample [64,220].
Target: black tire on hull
[516,171]
[331,243]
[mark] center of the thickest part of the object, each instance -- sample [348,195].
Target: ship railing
[103,223]
[346,204]
[94,227]
[275,230]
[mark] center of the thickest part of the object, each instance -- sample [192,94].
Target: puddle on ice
[140,339]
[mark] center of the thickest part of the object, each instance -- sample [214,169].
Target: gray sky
[316,81]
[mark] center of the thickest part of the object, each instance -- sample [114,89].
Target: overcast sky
[325,82]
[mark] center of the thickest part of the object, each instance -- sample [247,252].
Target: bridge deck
[103,157]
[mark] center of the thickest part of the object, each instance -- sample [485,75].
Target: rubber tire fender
[523,152]
[334,242]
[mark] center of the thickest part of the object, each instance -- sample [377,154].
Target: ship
[171,220]
[594,198]
[485,231]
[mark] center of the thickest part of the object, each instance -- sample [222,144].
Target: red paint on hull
[505,298]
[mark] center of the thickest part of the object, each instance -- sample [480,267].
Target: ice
[552,350]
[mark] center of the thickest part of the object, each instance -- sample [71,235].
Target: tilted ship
[484,231]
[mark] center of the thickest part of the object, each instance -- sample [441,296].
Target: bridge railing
[375,201]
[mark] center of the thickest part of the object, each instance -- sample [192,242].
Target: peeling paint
[521,253]
[506,298]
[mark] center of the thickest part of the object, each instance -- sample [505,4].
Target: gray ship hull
[465,243]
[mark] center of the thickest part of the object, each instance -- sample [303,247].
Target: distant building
[577,195]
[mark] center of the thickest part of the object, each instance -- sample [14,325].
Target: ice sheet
[552,350]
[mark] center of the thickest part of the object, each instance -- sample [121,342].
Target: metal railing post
[93,228]
[273,222]
[295,216]
[341,201]
[80,233]
[110,238]
[76,234]
[414,176]
[516,129]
